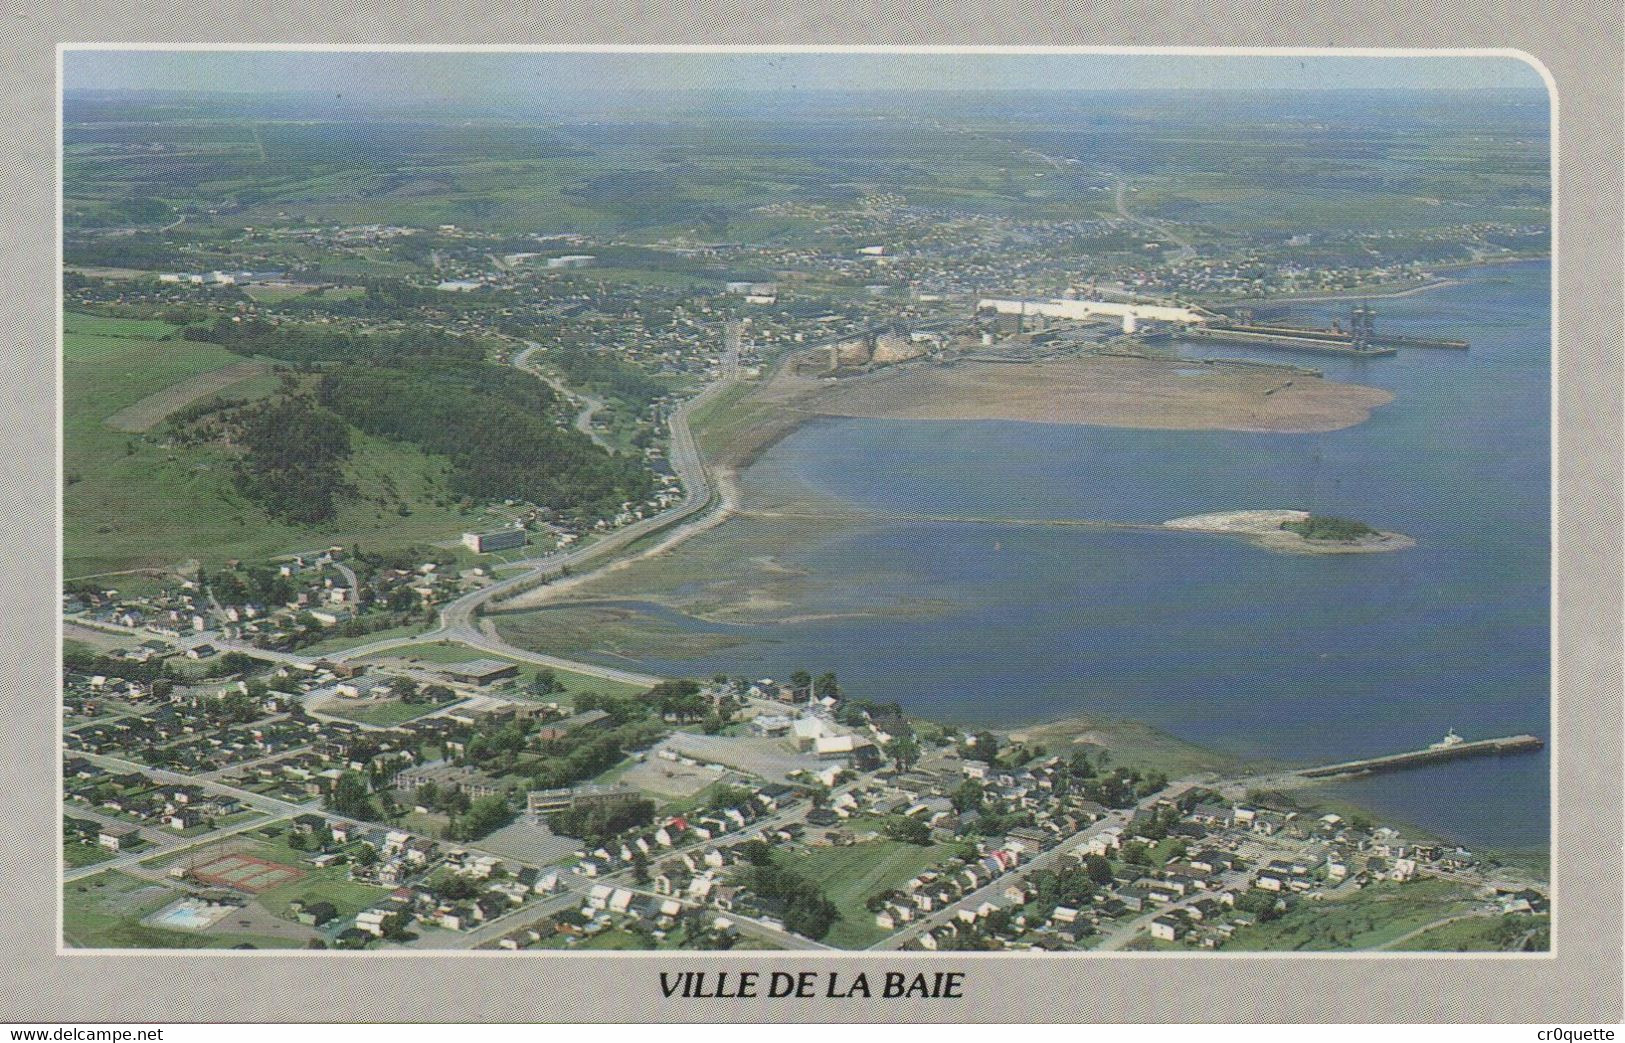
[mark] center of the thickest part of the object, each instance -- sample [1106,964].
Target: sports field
[245,873]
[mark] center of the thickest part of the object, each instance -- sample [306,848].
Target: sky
[485,77]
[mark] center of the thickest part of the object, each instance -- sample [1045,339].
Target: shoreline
[1143,393]
[1384,294]
[1308,796]
[1351,295]
[766,413]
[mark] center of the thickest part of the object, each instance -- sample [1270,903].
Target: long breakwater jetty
[1290,340]
[1451,748]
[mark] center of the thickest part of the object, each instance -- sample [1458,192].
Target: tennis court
[245,873]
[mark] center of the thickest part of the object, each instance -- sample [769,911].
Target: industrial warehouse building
[480,671]
[502,539]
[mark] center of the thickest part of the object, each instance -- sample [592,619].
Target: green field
[1370,917]
[450,652]
[78,854]
[105,911]
[324,885]
[1132,744]
[74,322]
[387,713]
[850,875]
[1482,934]
[338,644]
[132,502]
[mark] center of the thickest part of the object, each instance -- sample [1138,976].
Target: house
[841,745]
[1168,928]
[489,906]
[183,818]
[577,722]
[118,838]
[1133,897]
[1104,842]
[808,730]
[378,919]
[314,914]
[1029,839]
[770,724]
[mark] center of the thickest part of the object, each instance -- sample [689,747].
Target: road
[576,885]
[590,406]
[257,801]
[130,861]
[1186,250]
[1044,860]
[458,618]
[1425,928]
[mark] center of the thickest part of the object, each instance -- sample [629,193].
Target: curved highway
[1186,250]
[458,618]
[589,405]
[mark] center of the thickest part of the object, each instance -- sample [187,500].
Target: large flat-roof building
[501,539]
[450,777]
[540,803]
[480,671]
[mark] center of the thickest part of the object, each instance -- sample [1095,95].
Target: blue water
[1301,659]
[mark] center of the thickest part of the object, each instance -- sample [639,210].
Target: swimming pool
[189,914]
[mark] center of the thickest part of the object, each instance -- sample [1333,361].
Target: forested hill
[494,425]
[500,428]
[310,343]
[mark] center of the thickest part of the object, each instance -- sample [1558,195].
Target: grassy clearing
[574,682]
[615,939]
[132,502]
[323,885]
[275,293]
[850,875]
[75,322]
[1370,917]
[387,713]
[1482,934]
[1132,744]
[339,644]
[77,854]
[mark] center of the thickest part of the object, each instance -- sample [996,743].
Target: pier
[1360,337]
[1453,747]
[1286,339]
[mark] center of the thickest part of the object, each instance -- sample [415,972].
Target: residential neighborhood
[290,800]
